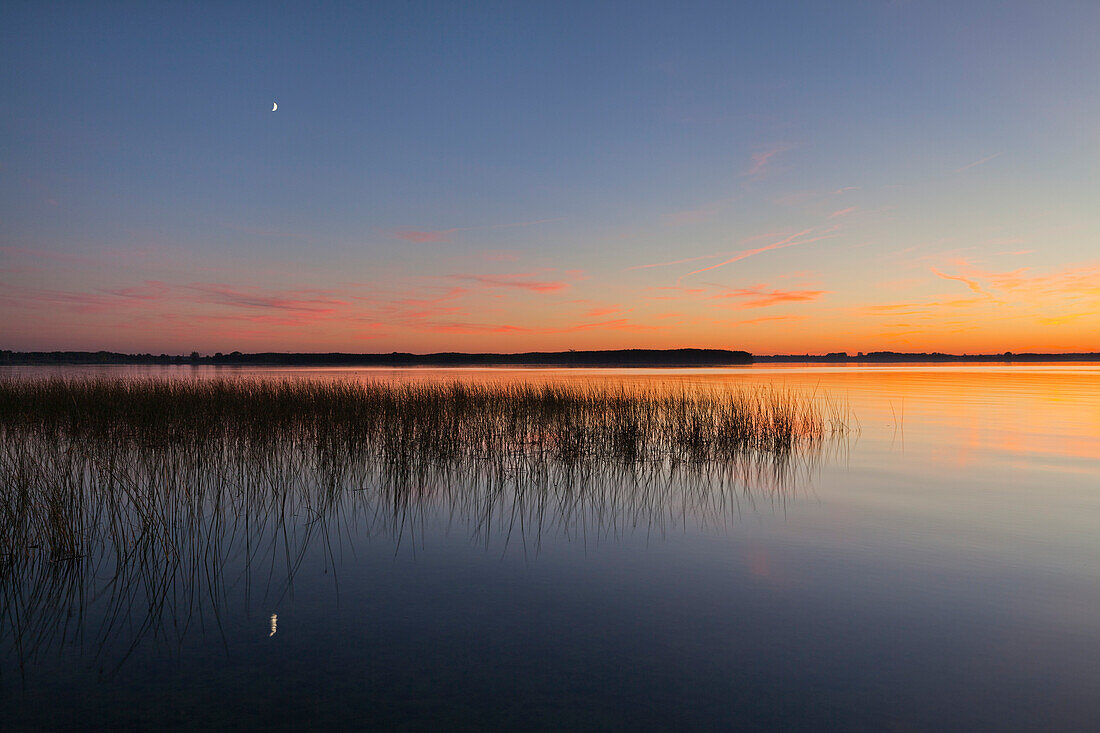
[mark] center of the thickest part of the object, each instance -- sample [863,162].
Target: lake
[935,567]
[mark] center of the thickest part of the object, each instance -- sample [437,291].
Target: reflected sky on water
[939,567]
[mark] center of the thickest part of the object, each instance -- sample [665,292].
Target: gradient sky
[777,177]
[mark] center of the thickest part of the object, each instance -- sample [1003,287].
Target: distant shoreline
[611,358]
[614,358]
[897,357]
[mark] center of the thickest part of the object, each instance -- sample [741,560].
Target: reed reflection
[145,512]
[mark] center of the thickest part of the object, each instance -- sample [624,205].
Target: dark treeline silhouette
[615,358]
[898,357]
[611,358]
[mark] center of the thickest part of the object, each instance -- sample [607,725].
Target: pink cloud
[842,212]
[758,297]
[151,290]
[618,324]
[447,294]
[79,302]
[761,159]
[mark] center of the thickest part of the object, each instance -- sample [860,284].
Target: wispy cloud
[1050,299]
[684,260]
[919,307]
[465,327]
[445,295]
[761,160]
[14,296]
[674,262]
[976,163]
[791,241]
[523,281]
[149,290]
[759,297]
[296,300]
[842,212]
[1076,281]
[972,284]
[155,296]
[691,216]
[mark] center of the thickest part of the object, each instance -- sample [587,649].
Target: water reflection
[129,543]
[943,574]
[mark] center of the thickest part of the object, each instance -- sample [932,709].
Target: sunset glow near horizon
[774,177]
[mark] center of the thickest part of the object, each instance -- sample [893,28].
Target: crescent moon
[274,106]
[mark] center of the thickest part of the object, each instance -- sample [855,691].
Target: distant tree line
[612,358]
[621,357]
[91,357]
[897,357]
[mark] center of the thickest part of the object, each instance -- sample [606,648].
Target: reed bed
[76,455]
[143,494]
[423,422]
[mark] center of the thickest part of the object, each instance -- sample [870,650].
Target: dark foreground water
[939,569]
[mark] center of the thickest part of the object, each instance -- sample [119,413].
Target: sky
[778,177]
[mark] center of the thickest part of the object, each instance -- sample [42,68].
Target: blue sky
[485,176]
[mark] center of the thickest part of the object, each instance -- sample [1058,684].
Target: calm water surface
[938,569]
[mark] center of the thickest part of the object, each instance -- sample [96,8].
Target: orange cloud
[1071,282]
[521,281]
[759,298]
[618,324]
[972,284]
